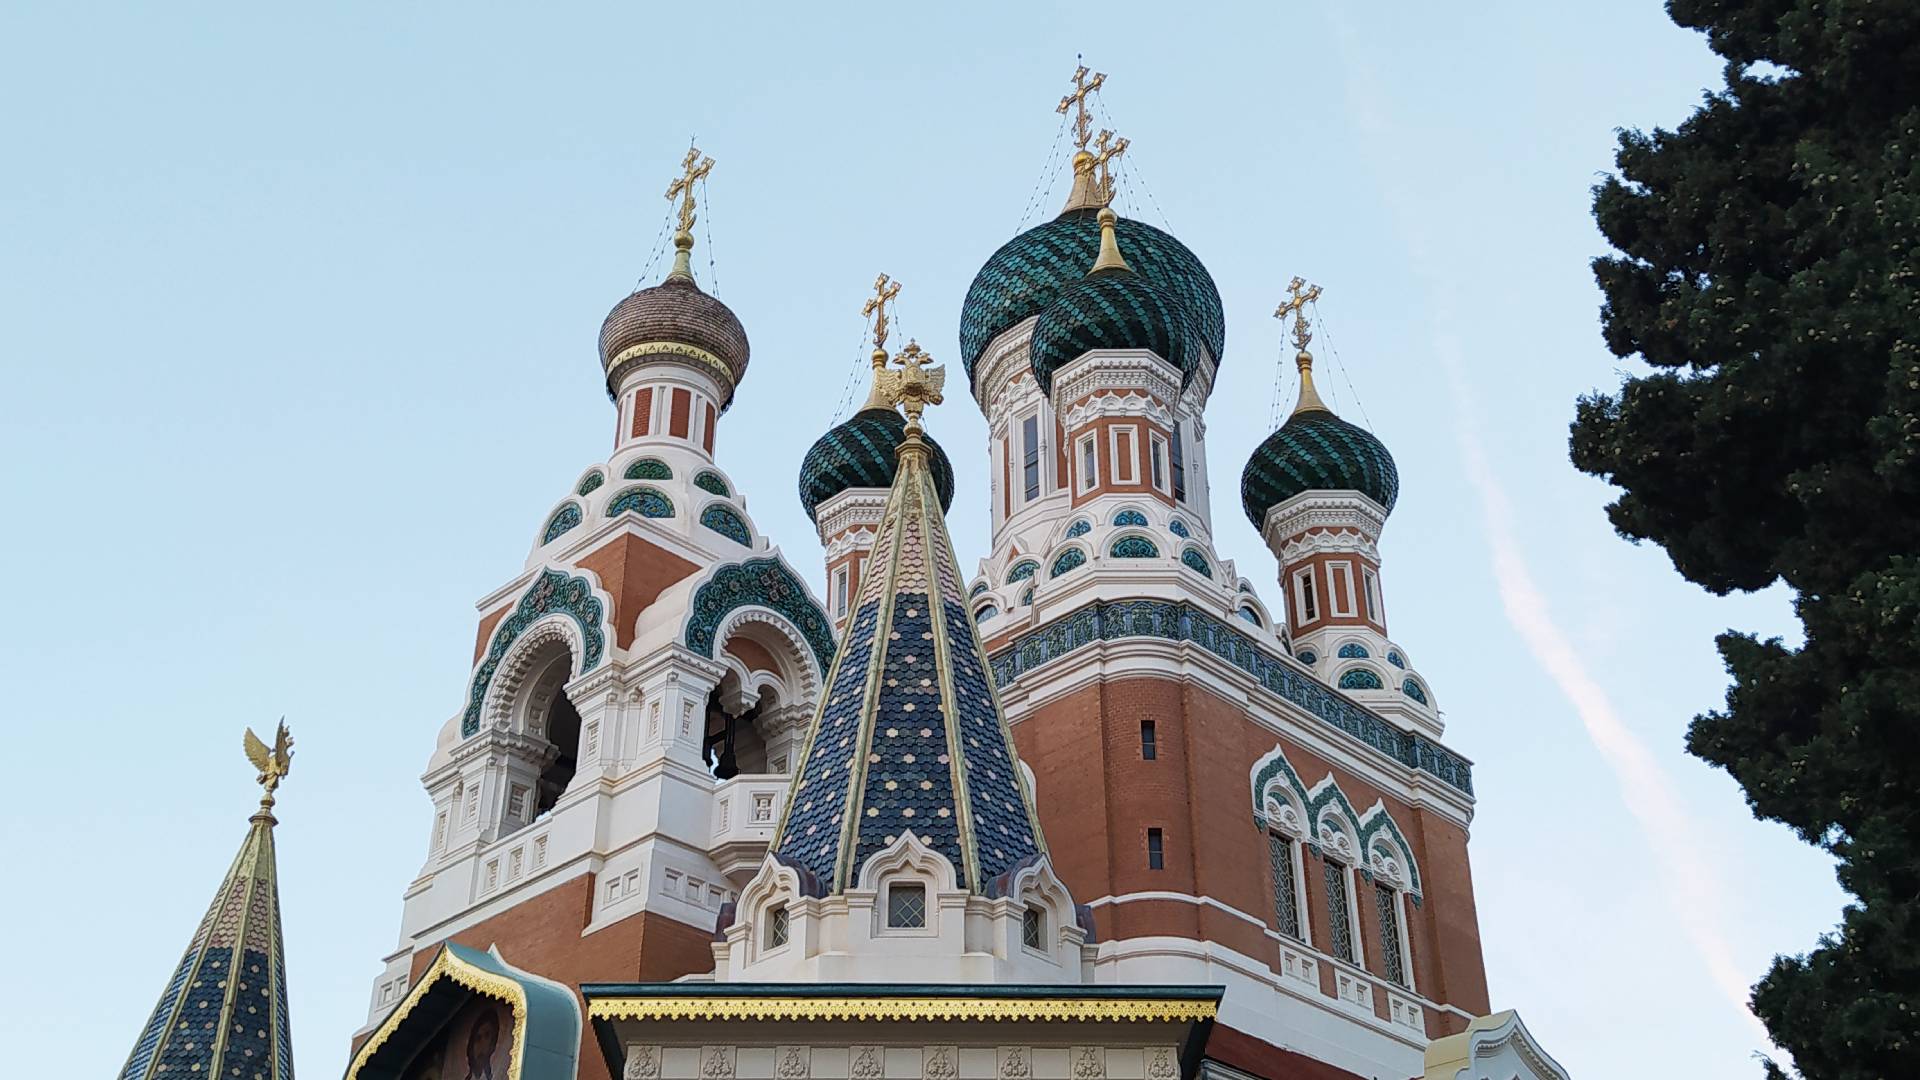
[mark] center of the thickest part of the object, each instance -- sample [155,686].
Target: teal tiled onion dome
[1030,271]
[674,321]
[1112,309]
[860,453]
[1317,451]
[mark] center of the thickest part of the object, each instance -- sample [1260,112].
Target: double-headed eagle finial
[913,386]
[273,763]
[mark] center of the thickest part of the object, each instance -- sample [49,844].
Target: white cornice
[1107,370]
[1324,510]
[1106,404]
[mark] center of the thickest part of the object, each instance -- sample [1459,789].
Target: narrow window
[1339,922]
[1156,856]
[1089,462]
[1286,900]
[1030,455]
[1157,457]
[1032,926]
[907,906]
[1148,748]
[1387,903]
[1179,467]
[840,591]
[1340,584]
[777,927]
[1371,595]
[1309,604]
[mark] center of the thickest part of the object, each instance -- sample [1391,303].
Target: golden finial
[1300,295]
[912,385]
[1109,244]
[1103,163]
[885,291]
[1077,101]
[273,764]
[693,170]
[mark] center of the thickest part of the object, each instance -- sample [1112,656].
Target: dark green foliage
[1766,271]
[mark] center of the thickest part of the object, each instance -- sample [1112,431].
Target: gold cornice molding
[902,1008]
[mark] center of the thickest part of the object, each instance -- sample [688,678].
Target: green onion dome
[1031,271]
[860,453]
[1112,309]
[1316,451]
[674,321]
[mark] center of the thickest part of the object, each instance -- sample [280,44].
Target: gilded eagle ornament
[272,763]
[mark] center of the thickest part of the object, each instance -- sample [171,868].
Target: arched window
[590,482]
[648,469]
[1283,857]
[1250,615]
[1412,690]
[1340,938]
[1353,650]
[1394,658]
[986,612]
[1179,529]
[1130,516]
[1134,547]
[644,501]
[708,480]
[1070,559]
[1393,941]
[1359,679]
[1197,563]
[1079,528]
[1021,570]
[1307,657]
[978,588]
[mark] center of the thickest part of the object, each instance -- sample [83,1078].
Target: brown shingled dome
[674,312]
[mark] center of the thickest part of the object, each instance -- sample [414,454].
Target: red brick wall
[642,411]
[679,413]
[1098,797]
[634,573]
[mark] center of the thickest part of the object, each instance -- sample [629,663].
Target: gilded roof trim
[1149,1009]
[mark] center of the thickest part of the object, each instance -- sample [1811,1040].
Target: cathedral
[1093,809]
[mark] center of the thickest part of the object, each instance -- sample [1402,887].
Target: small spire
[1109,244]
[885,291]
[1300,295]
[693,169]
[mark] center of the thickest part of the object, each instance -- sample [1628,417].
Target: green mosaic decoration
[1113,309]
[1021,570]
[1353,650]
[1130,517]
[1026,598]
[709,481]
[1307,657]
[1172,621]
[1275,770]
[764,582]
[648,469]
[591,482]
[978,588]
[727,524]
[1394,658]
[1079,528]
[1316,451]
[860,454]
[1070,559]
[1030,271]
[563,519]
[1412,690]
[552,592]
[1179,529]
[1134,547]
[644,501]
[1360,679]
[1197,563]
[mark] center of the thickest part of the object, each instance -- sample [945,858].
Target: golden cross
[1082,123]
[682,188]
[885,290]
[1302,294]
[1102,161]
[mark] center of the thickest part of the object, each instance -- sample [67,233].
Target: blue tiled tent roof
[223,1013]
[909,735]
[1029,272]
[1316,451]
[860,454]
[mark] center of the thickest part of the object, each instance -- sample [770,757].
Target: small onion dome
[1030,272]
[1316,451]
[860,453]
[674,322]
[1112,309]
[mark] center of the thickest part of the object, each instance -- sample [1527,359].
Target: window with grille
[1089,463]
[907,907]
[1179,467]
[1030,455]
[1156,854]
[1149,748]
[1387,903]
[840,582]
[1339,919]
[1286,901]
[1157,460]
[1309,604]
[1032,926]
[777,927]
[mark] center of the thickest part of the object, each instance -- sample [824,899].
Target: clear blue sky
[299,310]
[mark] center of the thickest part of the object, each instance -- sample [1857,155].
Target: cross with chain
[1077,101]
[682,188]
[1302,294]
[885,289]
[1102,162]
